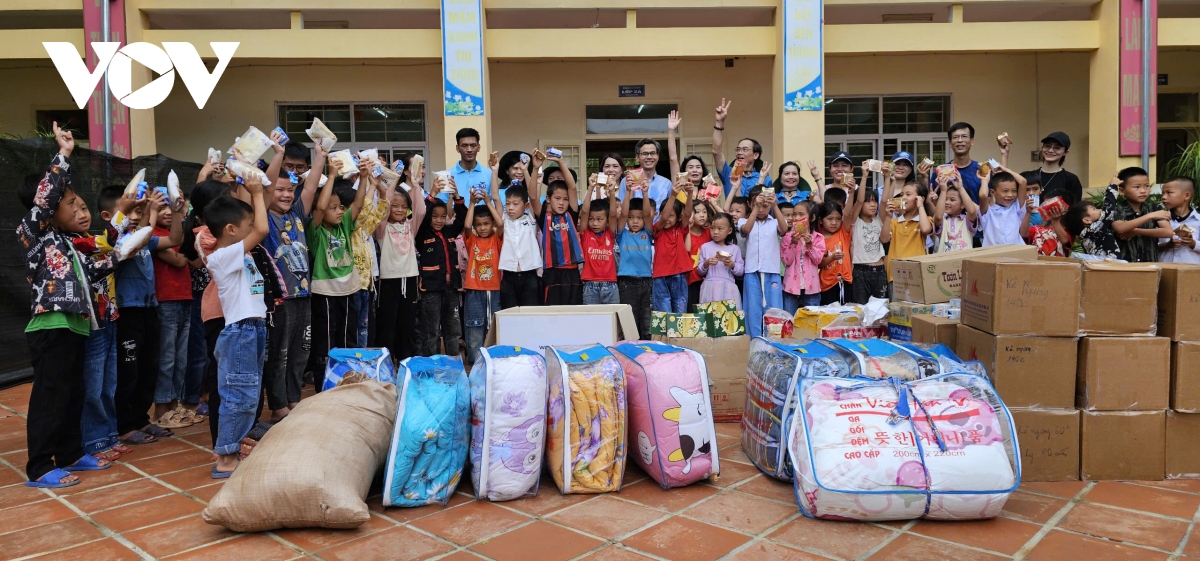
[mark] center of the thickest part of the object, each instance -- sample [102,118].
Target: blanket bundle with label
[432,434]
[375,364]
[880,359]
[670,412]
[941,448]
[508,404]
[586,446]
[936,358]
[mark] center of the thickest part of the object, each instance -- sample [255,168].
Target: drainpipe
[106,97]
[1146,88]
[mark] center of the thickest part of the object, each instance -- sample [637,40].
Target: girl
[672,261]
[956,219]
[837,269]
[698,235]
[720,261]
[867,252]
[793,188]
[908,226]
[803,250]
[398,272]
[763,286]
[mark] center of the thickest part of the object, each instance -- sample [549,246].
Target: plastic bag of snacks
[244,171]
[252,145]
[375,364]
[348,161]
[508,404]
[586,447]
[777,323]
[320,134]
[880,359]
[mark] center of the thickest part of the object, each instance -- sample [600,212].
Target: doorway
[597,149]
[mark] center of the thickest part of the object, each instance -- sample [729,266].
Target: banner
[1131,77]
[803,56]
[120,114]
[462,57]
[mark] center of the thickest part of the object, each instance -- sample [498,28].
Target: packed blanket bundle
[943,448]
[880,359]
[432,434]
[586,447]
[936,358]
[773,369]
[314,468]
[670,412]
[373,363]
[508,405]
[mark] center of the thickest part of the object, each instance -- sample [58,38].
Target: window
[1178,108]
[879,126]
[395,129]
[634,119]
[74,120]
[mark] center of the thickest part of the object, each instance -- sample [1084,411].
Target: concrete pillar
[141,121]
[1104,130]
[481,123]
[798,135]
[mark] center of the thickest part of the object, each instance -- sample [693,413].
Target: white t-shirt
[239,284]
[520,251]
[398,251]
[865,248]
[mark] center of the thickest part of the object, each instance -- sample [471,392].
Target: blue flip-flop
[52,480]
[88,463]
[220,474]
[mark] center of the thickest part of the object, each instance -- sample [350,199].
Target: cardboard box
[537,327]
[1010,297]
[1049,441]
[1026,371]
[901,313]
[1129,445]
[933,329]
[1117,298]
[725,358]
[1179,302]
[1124,374]
[937,277]
[1183,446]
[1185,377]
[899,332]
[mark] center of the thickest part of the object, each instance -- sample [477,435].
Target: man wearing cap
[1056,181]
[748,153]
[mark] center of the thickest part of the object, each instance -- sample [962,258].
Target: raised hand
[723,110]
[673,120]
[65,140]
[813,171]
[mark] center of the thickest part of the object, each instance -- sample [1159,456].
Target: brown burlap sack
[315,467]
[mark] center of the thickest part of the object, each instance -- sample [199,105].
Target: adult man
[647,151]
[747,153]
[1055,181]
[467,174]
[962,138]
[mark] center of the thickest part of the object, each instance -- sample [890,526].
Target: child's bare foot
[225,466]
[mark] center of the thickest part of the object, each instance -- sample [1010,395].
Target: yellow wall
[1182,69]
[29,85]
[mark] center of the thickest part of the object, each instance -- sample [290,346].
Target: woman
[691,165]
[1055,181]
[793,188]
[406,177]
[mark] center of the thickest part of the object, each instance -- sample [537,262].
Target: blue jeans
[98,424]
[793,302]
[360,313]
[670,293]
[758,287]
[478,307]
[600,292]
[240,351]
[174,324]
[197,357]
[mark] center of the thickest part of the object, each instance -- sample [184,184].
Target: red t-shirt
[697,241]
[670,255]
[483,262]
[599,263]
[171,284]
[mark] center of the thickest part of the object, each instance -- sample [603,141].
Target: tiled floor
[148,506]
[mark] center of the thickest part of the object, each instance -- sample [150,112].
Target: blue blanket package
[880,359]
[376,364]
[936,358]
[432,432]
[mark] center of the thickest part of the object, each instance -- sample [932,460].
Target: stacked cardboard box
[1179,320]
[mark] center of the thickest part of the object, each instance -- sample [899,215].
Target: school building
[591,77]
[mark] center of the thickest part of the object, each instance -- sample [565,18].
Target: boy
[635,267]
[561,252]
[672,262]
[1177,195]
[599,261]
[520,255]
[334,276]
[438,315]
[482,282]
[173,289]
[1137,223]
[1040,231]
[62,318]
[787,209]
[1001,221]
[241,346]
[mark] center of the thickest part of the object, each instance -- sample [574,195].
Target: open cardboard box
[538,327]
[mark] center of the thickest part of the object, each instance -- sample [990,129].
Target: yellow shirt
[372,213]
[907,240]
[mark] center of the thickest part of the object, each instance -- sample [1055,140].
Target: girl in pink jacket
[802,250]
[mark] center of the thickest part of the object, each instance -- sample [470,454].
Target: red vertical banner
[1131,77]
[92,32]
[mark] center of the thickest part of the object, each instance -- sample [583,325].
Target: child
[398,273]
[672,263]
[635,268]
[1040,231]
[375,207]
[238,228]
[837,271]
[334,277]
[1136,222]
[698,235]
[764,287]
[482,281]
[1001,220]
[956,219]
[439,302]
[173,289]
[1092,228]
[599,259]
[720,261]
[803,250]
[908,228]
[520,255]
[59,279]
[561,253]
[1177,195]
[867,252]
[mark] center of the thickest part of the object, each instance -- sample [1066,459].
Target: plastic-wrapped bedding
[881,359]
[772,371]
[942,448]
[432,434]
[586,446]
[670,412]
[936,358]
[508,410]
[375,363]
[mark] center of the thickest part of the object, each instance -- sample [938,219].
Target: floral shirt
[363,239]
[1098,238]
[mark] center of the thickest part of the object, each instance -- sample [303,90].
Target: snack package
[173,191]
[985,167]
[441,182]
[800,225]
[1002,139]
[712,189]
[243,170]
[539,154]
[320,134]
[769,191]
[1052,204]
[418,162]
[738,170]
[898,204]
[554,152]
[1184,230]
[1037,201]
[681,176]
[372,155]
[602,178]
[945,170]
[128,244]
[139,178]
[349,162]
[524,158]
[324,178]
[874,166]
[634,178]
[214,156]
[390,178]
[252,144]
[777,323]
[927,162]
[283,137]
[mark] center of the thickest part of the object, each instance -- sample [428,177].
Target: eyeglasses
[961,137]
[297,168]
[1053,147]
[741,149]
[647,154]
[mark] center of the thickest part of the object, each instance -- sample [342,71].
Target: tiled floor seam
[1052,522]
[105,530]
[1187,535]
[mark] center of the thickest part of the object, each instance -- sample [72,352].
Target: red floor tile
[142,514]
[394,544]
[616,553]
[771,488]
[35,514]
[191,478]
[461,556]
[163,447]
[469,523]
[316,539]
[176,536]
[173,462]
[404,514]
[839,539]
[548,500]
[773,551]
[89,480]
[734,454]
[11,477]
[207,492]
[680,539]
[259,547]
[48,537]
[1146,499]
[1124,526]
[998,534]
[606,517]
[648,492]
[733,472]
[1033,508]
[118,495]
[541,541]
[1185,485]
[909,547]
[1192,548]
[1059,545]
[1064,489]
[19,494]
[107,550]
[740,511]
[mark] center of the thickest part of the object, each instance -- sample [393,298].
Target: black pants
[332,327]
[440,319]
[519,289]
[287,352]
[212,330]
[397,325]
[636,292]
[562,287]
[56,402]
[694,294]
[137,367]
[870,280]
[838,294]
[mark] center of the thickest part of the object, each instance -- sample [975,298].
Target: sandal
[157,431]
[202,410]
[121,448]
[88,463]
[259,430]
[53,480]
[138,437]
[191,417]
[171,420]
[109,455]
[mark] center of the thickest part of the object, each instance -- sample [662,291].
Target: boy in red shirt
[672,262]
[173,288]
[599,262]
[482,241]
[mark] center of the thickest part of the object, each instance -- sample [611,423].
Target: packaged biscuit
[252,144]
[371,155]
[348,161]
[390,178]
[874,166]
[769,191]
[283,137]
[174,193]
[927,162]
[800,225]
[139,178]
[554,152]
[946,170]
[635,178]
[320,134]
[1053,204]
[985,168]
[418,163]
[244,171]
[1002,139]
[738,170]
[214,156]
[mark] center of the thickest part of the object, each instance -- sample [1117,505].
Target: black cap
[842,155]
[1059,137]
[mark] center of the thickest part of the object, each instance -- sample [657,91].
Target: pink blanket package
[941,448]
[670,412]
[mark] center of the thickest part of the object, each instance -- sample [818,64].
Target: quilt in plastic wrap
[508,422]
[586,446]
[880,359]
[374,363]
[936,358]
